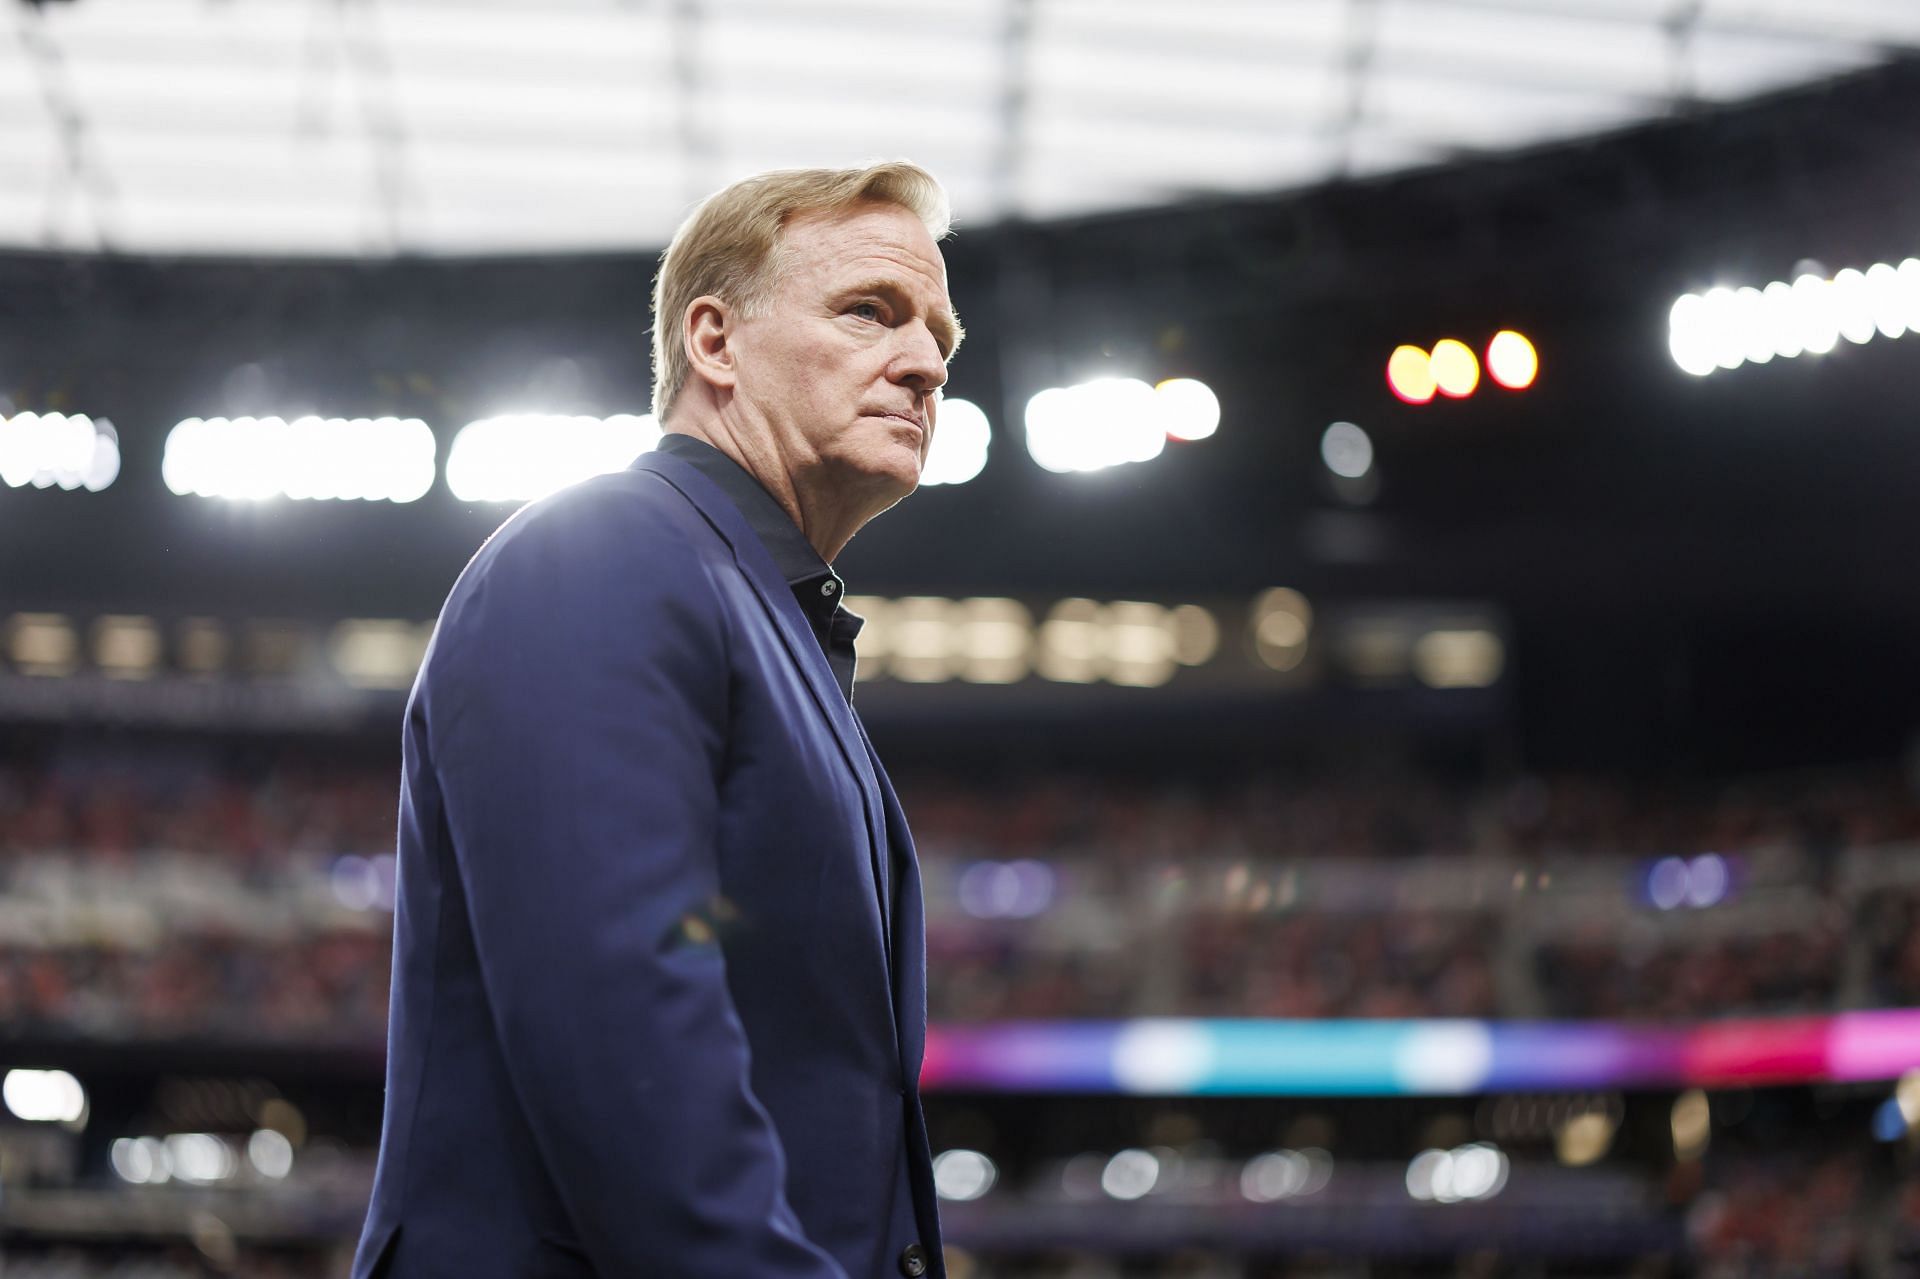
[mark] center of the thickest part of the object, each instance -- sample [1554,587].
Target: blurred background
[1405,687]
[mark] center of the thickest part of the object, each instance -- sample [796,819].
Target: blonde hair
[729,247]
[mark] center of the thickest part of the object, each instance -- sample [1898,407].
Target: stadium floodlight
[44,1096]
[1452,369]
[961,434]
[1456,370]
[1277,1174]
[384,459]
[1107,422]
[1475,1171]
[1512,360]
[1112,421]
[1130,1174]
[1190,408]
[962,1175]
[50,450]
[270,1153]
[200,1158]
[1410,375]
[523,456]
[1724,328]
[140,1160]
[1347,450]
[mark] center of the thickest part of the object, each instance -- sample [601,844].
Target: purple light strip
[1387,1058]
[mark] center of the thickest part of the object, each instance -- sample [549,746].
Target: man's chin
[906,481]
[901,465]
[886,475]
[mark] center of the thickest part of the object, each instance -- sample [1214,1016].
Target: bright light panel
[49,450]
[1189,407]
[1724,328]
[310,458]
[1109,422]
[524,456]
[962,1175]
[1093,426]
[44,1096]
[961,435]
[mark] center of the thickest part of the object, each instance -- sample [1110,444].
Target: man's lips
[908,418]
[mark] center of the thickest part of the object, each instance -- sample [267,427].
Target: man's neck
[756,455]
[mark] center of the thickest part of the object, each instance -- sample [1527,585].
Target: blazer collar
[751,553]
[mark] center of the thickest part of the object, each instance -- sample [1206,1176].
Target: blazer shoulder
[620,551]
[625,523]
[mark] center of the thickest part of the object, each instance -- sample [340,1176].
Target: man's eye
[867,310]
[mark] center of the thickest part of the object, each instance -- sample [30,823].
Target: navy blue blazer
[652,1011]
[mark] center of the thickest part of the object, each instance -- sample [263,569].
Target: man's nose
[919,363]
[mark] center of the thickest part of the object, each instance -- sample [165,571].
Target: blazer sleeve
[577,705]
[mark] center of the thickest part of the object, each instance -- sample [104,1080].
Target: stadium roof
[350,127]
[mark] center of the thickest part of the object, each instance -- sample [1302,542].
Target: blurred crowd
[328,987]
[1786,1216]
[183,1261]
[119,811]
[164,899]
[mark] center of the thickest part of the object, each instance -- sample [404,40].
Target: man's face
[844,361]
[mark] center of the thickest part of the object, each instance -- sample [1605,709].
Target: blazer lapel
[777,597]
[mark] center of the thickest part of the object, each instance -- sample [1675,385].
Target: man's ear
[708,326]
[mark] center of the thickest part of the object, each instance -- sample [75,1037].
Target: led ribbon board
[1176,1057]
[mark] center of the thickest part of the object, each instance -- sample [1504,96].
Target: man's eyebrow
[947,330]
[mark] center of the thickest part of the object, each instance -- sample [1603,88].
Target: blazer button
[913,1261]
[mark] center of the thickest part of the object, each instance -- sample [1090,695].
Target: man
[659,985]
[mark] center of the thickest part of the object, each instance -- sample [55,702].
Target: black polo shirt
[815,585]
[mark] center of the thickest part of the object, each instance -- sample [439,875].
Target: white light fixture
[49,450]
[523,456]
[963,1175]
[1111,421]
[1189,408]
[270,1153]
[1470,1172]
[142,1161]
[200,1158]
[961,436]
[310,458]
[1277,1174]
[1724,328]
[1130,1174]
[1347,450]
[44,1096]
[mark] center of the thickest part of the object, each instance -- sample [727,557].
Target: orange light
[1512,361]
[1410,375]
[1456,371]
